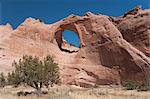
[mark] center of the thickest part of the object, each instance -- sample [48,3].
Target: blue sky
[50,11]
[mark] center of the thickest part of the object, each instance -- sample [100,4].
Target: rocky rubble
[110,50]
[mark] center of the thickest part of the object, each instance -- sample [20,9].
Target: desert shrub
[2,80]
[13,79]
[145,86]
[133,85]
[34,72]
[130,84]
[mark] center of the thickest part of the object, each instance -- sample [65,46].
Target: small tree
[2,80]
[34,72]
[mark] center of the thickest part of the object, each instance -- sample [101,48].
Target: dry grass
[70,92]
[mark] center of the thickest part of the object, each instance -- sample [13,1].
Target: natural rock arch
[70,38]
[72,27]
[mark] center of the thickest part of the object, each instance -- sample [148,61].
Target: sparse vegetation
[130,84]
[133,85]
[34,72]
[145,86]
[2,80]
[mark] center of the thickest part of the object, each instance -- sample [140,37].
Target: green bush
[133,85]
[145,86]
[130,84]
[2,80]
[34,72]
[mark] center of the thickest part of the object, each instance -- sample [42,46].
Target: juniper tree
[35,72]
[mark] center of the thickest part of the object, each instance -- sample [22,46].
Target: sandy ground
[72,92]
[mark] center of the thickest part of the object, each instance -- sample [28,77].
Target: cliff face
[136,30]
[110,51]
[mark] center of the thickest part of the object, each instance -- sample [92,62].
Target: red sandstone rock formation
[108,53]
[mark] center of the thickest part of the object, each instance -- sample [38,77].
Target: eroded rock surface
[110,51]
[136,30]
